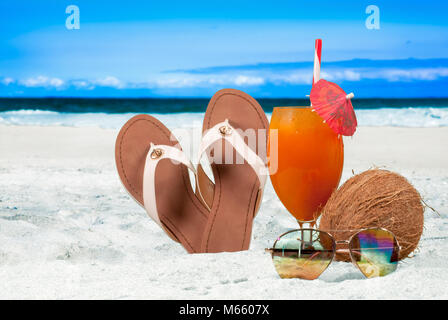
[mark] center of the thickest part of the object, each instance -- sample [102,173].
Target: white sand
[69,230]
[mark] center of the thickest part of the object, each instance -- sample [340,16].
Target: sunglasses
[306,253]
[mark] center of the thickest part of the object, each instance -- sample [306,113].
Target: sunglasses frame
[335,243]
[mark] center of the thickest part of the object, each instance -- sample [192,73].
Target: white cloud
[394,75]
[55,82]
[336,75]
[341,75]
[110,81]
[83,84]
[245,80]
[42,81]
[39,81]
[294,77]
[176,82]
[201,80]
[6,81]
[302,76]
[240,78]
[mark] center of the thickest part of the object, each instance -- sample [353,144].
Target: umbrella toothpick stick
[350,96]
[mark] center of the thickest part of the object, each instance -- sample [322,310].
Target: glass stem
[311,226]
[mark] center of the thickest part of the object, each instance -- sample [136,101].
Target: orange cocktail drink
[306,161]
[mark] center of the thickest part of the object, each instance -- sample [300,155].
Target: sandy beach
[68,229]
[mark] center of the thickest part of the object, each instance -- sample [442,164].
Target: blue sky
[193,48]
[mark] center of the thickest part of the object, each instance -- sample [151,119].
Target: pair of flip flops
[217,216]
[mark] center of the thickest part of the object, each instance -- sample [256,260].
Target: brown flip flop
[235,128]
[153,169]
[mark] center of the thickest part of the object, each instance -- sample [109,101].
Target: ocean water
[113,113]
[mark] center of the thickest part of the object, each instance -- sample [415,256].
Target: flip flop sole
[181,213]
[236,194]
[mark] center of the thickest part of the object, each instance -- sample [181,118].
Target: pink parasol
[334,106]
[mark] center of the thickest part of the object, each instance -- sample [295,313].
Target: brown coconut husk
[375,198]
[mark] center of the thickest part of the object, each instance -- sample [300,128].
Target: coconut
[375,198]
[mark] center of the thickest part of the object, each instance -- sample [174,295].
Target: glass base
[311,223]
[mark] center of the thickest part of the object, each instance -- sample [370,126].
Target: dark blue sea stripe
[178,105]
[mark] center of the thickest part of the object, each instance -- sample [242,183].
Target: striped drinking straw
[317,59]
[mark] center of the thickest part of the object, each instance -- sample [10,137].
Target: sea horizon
[167,105]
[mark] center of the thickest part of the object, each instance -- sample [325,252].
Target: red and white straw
[317,59]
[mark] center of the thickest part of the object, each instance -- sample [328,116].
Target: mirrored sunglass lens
[375,251]
[303,254]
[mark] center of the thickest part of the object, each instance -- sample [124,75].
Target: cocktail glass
[308,157]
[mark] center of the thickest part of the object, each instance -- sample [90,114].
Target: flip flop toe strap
[224,130]
[155,154]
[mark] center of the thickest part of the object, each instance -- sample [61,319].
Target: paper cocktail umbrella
[334,106]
